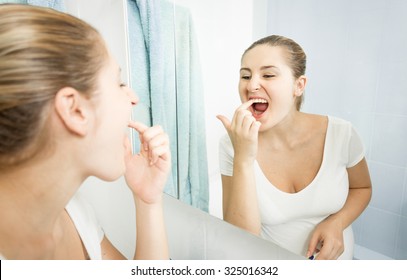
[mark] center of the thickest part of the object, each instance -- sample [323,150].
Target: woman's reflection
[297,179]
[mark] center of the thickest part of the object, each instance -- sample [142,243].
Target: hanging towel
[54,4]
[165,72]
[149,77]
[192,153]
[13,1]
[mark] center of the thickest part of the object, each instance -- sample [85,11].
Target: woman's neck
[32,200]
[286,132]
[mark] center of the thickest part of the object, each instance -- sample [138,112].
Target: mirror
[355,69]
[192,48]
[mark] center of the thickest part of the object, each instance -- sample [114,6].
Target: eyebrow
[261,68]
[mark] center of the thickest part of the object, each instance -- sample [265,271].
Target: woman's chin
[113,173]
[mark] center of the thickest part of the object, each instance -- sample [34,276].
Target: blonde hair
[296,57]
[41,51]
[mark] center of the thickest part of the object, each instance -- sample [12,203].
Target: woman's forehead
[263,56]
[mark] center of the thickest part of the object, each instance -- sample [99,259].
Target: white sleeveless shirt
[288,219]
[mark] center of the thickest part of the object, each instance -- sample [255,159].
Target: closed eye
[245,77]
[269,76]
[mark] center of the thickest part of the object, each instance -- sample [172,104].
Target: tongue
[261,107]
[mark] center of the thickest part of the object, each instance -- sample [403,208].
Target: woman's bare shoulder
[315,122]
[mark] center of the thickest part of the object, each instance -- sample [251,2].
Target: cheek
[283,99]
[282,92]
[241,90]
[120,109]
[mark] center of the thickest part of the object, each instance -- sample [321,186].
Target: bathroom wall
[357,65]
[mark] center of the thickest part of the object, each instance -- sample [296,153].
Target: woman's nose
[253,85]
[134,99]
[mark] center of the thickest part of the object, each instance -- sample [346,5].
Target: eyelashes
[264,76]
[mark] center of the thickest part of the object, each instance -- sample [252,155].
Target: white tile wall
[392,89]
[395,37]
[388,181]
[401,244]
[365,5]
[404,195]
[357,67]
[380,231]
[389,138]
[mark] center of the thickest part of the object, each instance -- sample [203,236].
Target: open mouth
[259,106]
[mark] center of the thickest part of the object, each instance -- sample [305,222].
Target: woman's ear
[72,108]
[300,85]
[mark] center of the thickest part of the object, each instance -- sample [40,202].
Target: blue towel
[192,156]
[54,4]
[147,75]
[165,71]
[13,1]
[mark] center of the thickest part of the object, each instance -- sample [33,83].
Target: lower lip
[257,116]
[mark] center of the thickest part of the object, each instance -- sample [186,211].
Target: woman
[64,114]
[297,179]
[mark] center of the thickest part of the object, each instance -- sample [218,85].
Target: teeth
[259,100]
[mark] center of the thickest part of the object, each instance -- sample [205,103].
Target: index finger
[140,127]
[246,104]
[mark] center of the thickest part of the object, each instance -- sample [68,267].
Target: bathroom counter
[194,234]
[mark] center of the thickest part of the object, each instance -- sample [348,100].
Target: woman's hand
[327,240]
[147,172]
[243,132]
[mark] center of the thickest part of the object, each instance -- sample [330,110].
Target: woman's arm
[151,241]
[330,232]
[109,252]
[239,191]
[240,206]
[360,192]
[146,175]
